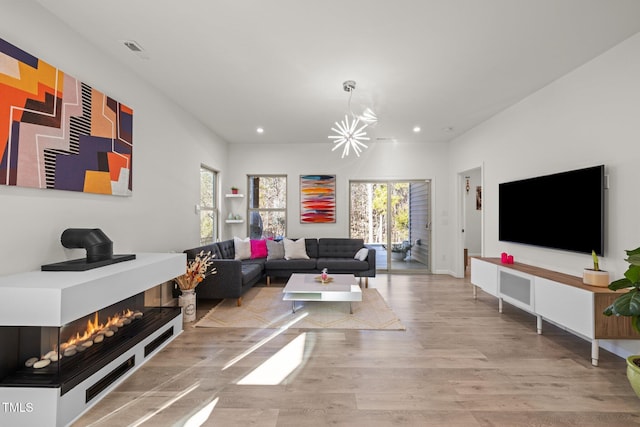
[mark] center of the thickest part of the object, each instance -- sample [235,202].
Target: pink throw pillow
[258,249]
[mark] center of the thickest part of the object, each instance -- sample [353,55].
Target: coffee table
[305,287]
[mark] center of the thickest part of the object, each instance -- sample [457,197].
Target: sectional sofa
[235,276]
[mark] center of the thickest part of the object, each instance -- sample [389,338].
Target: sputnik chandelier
[350,133]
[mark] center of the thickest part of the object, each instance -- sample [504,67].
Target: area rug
[263,307]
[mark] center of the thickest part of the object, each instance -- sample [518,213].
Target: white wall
[380,161]
[589,117]
[169,147]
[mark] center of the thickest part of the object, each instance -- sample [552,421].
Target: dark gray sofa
[234,277]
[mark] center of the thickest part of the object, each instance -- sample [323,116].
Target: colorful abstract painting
[59,133]
[317,198]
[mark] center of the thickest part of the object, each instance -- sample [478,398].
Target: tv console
[559,298]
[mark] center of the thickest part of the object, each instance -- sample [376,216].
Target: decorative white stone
[87,344]
[49,355]
[29,363]
[41,363]
[98,338]
[70,352]
[109,333]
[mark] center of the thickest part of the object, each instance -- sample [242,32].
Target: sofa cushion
[275,250]
[338,247]
[361,255]
[258,249]
[227,249]
[341,264]
[251,271]
[242,248]
[291,264]
[295,249]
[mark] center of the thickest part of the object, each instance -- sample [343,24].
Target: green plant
[628,304]
[596,266]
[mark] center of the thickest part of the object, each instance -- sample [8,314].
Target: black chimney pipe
[99,247]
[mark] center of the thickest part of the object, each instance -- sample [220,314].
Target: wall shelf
[234,221]
[232,196]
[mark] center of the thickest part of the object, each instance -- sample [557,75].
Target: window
[208,206]
[267,206]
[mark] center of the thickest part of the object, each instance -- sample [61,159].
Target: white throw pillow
[295,249]
[242,248]
[361,255]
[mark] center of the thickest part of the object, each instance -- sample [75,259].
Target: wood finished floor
[459,363]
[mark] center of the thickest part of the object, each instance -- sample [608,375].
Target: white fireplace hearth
[39,311]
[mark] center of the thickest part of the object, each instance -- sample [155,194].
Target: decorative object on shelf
[234,190]
[197,270]
[628,304]
[505,258]
[317,199]
[237,217]
[231,215]
[467,186]
[85,146]
[479,198]
[351,134]
[594,276]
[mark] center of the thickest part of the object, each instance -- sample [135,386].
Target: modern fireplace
[67,338]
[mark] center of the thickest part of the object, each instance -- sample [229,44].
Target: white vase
[188,303]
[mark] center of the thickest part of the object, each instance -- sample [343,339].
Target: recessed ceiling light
[416,129]
[260,130]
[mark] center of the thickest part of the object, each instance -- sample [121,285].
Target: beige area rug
[263,307]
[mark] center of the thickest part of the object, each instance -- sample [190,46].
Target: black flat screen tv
[561,211]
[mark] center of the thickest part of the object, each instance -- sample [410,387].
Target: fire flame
[94,327]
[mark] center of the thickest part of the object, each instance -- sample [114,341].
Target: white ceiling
[280,64]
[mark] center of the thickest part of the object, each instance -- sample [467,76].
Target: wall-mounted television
[562,211]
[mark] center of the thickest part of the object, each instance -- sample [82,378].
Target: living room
[586,117]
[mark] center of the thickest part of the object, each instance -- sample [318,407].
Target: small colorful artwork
[59,133]
[317,199]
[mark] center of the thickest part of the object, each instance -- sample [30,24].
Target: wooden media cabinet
[547,294]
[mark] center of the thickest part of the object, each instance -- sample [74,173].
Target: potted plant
[234,190]
[628,305]
[594,276]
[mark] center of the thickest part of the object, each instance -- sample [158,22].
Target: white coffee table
[305,287]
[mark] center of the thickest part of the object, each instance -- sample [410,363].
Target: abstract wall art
[317,199]
[59,133]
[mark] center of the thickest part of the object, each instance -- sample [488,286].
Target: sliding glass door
[393,217]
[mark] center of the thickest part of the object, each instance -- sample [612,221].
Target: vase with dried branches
[197,270]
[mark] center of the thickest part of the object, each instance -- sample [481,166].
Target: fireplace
[96,329]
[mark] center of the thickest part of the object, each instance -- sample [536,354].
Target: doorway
[394,218]
[471,218]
